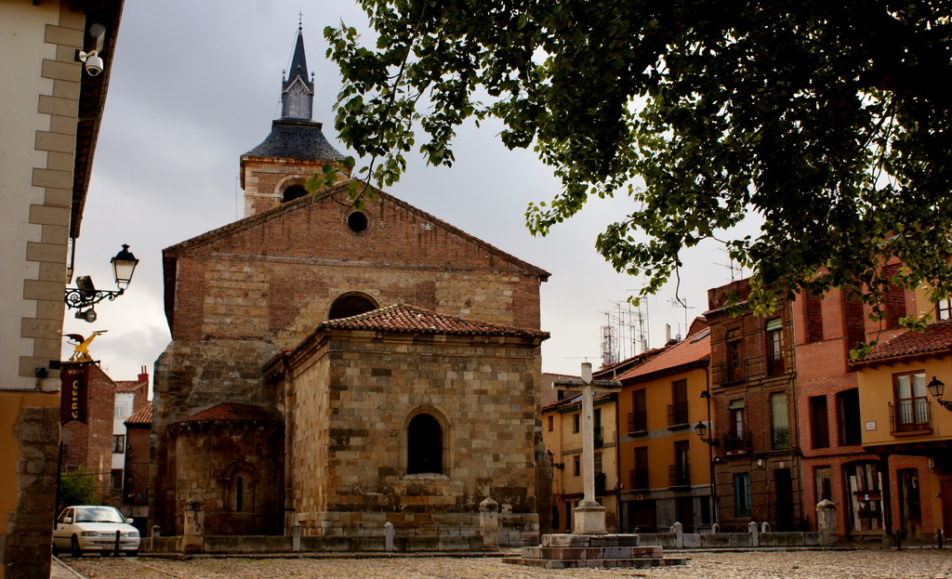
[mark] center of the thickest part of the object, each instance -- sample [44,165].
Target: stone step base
[579,553]
[645,563]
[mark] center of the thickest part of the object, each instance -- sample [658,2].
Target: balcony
[910,417]
[638,479]
[599,436]
[678,415]
[734,443]
[679,475]
[780,438]
[638,421]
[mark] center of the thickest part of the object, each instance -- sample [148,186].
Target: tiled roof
[692,349]
[228,411]
[576,400]
[402,318]
[935,338]
[141,416]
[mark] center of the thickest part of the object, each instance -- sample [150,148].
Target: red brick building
[88,445]
[753,391]
[135,489]
[246,294]
[836,466]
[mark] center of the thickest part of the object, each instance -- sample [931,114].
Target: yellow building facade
[562,435]
[665,466]
[910,430]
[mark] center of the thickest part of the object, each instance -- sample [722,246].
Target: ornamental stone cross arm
[589,516]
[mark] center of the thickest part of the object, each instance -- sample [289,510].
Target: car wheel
[74,549]
[56,551]
[132,553]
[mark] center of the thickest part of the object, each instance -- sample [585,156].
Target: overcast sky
[196,84]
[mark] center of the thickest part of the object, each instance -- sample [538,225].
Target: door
[910,512]
[784,499]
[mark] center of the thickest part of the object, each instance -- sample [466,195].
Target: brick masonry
[239,295]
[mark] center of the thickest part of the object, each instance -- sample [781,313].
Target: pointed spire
[297,90]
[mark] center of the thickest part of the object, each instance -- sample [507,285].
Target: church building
[336,367]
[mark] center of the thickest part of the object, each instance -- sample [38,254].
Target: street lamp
[937,388]
[701,430]
[85,295]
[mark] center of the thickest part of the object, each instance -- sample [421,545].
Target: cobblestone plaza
[865,564]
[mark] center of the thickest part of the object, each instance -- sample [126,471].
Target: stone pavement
[858,564]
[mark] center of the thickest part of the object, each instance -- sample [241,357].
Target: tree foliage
[830,120]
[78,488]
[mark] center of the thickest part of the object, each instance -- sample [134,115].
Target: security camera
[93,62]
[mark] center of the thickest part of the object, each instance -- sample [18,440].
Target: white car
[83,528]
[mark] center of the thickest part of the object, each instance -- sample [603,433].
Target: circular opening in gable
[357,221]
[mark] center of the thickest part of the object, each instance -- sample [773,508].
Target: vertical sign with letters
[74,395]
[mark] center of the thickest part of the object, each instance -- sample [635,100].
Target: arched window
[239,494]
[350,305]
[424,445]
[293,192]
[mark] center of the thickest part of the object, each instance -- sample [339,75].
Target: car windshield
[98,515]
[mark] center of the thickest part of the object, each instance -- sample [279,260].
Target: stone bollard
[752,531]
[764,527]
[489,524]
[826,521]
[715,528]
[938,538]
[388,537]
[678,529]
[296,538]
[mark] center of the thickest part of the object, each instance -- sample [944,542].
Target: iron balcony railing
[638,479]
[734,443]
[679,475]
[911,415]
[677,414]
[638,421]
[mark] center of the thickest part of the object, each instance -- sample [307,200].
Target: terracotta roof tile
[141,416]
[575,400]
[402,318]
[228,411]
[936,337]
[694,348]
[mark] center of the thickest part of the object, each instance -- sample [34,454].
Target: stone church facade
[334,368]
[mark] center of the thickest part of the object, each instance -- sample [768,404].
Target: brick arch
[351,304]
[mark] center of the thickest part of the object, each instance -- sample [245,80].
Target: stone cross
[589,516]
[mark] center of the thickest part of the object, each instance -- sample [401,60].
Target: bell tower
[275,171]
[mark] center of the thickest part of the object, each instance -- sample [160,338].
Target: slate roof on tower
[295,135]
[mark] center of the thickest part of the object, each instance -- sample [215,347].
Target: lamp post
[937,389]
[701,429]
[85,295]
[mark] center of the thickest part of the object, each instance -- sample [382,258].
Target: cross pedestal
[589,516]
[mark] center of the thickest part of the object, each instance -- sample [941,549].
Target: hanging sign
[74,394]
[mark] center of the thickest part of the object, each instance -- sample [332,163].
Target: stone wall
[211,456]
[352,401]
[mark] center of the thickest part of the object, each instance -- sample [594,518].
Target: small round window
[357,221]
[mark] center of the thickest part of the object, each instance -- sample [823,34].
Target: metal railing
[638,420]
[677,414]
[679,475]
[911,415]
[638,479]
